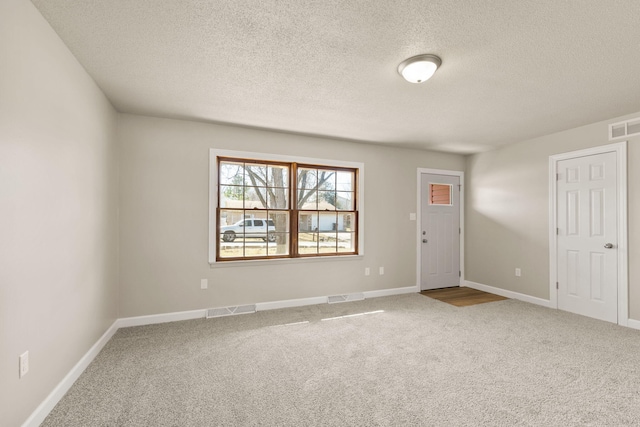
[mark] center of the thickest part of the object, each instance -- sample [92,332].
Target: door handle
[424,240]
[608,246]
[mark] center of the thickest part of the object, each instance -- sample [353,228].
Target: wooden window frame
[293,209]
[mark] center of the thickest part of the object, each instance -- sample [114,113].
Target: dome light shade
[418,69]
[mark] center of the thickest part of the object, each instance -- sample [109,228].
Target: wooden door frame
[620,149]
[459,174]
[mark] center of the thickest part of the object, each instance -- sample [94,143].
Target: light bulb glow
[419,68]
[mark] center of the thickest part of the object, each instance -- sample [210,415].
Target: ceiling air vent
[623,129]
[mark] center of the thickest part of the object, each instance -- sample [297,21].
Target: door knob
[424,240]
[608,245]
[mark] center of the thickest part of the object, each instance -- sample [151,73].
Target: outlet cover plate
[23,364]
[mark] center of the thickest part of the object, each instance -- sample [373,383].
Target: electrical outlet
[367,271]
[204,284]
[518,272]
[381,271]
[412,216]
[23,364]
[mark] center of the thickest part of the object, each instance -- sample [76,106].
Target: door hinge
[459,230]
[557,177]
[459,186]
[557,231]
[557,285]
[459,273]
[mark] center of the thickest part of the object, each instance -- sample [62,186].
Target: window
[440,194]
[267,209]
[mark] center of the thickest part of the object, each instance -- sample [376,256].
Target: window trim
[328,163]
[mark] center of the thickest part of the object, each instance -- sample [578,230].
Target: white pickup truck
[249,228]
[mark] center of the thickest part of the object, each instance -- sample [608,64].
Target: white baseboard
[275,305]
[634,324]
[390,292]
[152,319]
[41,412]
[508,294]
[630,323]
[126,322]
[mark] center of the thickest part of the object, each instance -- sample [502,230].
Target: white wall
[164,218]
[507,211]
[58,212]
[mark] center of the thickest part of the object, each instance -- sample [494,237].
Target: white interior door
[440,231]
[587,236]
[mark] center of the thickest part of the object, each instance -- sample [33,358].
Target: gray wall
[507,211]
[164,218]
[58,210]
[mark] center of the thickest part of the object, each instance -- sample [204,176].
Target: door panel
[440,231]
[587,223]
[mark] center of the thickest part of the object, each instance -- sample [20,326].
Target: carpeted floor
[407,361]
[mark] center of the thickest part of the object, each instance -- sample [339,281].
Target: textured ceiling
[511,69]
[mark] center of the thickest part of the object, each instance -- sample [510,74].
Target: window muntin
[255,213]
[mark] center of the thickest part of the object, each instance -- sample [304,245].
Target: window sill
[279,261]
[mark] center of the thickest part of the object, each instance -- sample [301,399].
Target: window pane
[308,233]
[279,221]
[328,245]
[278,198]
[228,217]
[255,175]
[346,242]
[326,200]
[344,181]
[277,176]
[307,178]
[346,221]
[308,221]
[328,222]
[231,196]
[231,173]
[231,244]
[308,243]
[440,194]
[231,249]
[278,244]
[255,226]
[307,199]
[255,248]
[344,201]
[255,197]
[326,180]
[248,235]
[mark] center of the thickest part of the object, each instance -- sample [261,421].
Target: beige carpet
[409,360]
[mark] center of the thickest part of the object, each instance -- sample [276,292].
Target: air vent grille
[623,129]
[345,298]
[230,311]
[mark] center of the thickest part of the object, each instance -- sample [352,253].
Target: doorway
[440,234]
[588,235]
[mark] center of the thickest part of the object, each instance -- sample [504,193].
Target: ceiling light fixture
[418,69]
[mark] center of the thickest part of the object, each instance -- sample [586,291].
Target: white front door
[439,231]
[587,236]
